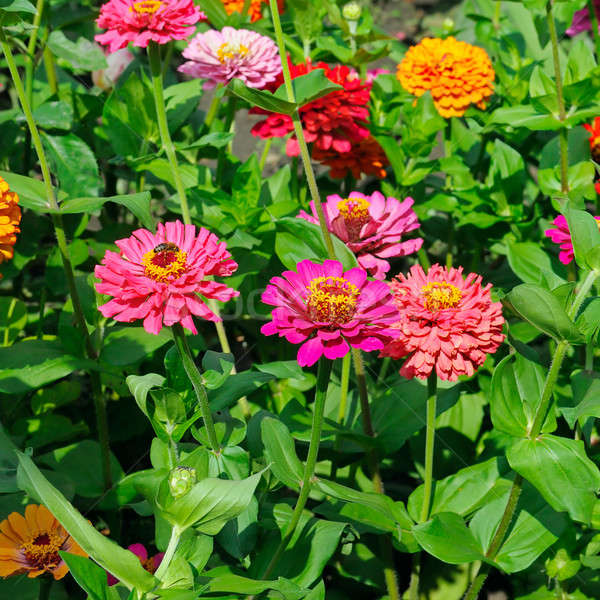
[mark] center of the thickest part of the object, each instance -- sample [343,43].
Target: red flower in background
[149,563]
[594,130]
[334,122]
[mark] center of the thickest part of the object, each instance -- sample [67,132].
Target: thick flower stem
[310,174]
[61,239]
[169,552]
[323,374]
[163,127]
[31,46]
[213,109]
[429,444]
[344,383]
[45,587]
[594,22]
[196,380]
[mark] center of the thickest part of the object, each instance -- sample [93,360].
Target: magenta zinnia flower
[371,226]
[581,20]
[447,323]
[143,21]
[161,277]
[562,236]
[150,564]
[328,310]
[220,56]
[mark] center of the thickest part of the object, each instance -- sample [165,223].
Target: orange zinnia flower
[31,544]
[456,73]
[254,10]
[594,138]
[10,217]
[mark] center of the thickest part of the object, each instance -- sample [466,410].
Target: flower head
[150,564]
[142,21]
[562,236]
[581,20]
[447,323]
[10,218]
[594,131]
[219,56]
[160,277]
[335,121]
[327,310]
[371,226]
[31,544]
[366,156]
[456,73]
[117,62]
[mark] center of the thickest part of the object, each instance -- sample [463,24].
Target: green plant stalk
[50,70]
[323,374]
[310,174]
[429,444]
[562,114]
[169,552]
[423,259]
[229,124]
[196,380]
[213,109]
[45,587]
[344,383]
[61,239]
[31,46]
[163,127]
[594,23]
[265,154]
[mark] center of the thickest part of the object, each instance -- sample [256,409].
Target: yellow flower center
[331,300]
[41,551]
[164,263]
[146,7]
[230,50]
[355,212]
[440,295]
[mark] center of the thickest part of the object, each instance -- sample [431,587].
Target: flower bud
[181,481]
[352,11]
[448,25]
[117,63]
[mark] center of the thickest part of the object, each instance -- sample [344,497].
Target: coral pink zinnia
[327,310]
[143,21]
[447,323]
[562,236]
[160,277]
[371,226]
[150,564]
[335,121]
[219,56]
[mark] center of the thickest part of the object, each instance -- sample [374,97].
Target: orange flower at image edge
[456,73]
[30,544]
[10,217]
[254,9]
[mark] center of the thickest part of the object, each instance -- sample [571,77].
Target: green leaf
[262,99]
[90,577]
[280,452]
[127,345]
[181,101]
[531,264]
[223,581]
[124,565]
[13,318]
[54,115]
[524,116]
[561,471]
[81,54]
[17,6]
[544,310]
[584,235]
[31,192]
[215,12]
[309,87]
[446,537]
[586,398]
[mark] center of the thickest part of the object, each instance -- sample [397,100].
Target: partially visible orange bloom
[456,73]
[30,544]
[10,217]
[366,156]
[594,138]
[254,10]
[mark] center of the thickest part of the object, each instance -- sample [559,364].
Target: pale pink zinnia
[562,236]
[327,310]
[143,21]
[371,226]
[220,56]
[161,277]
[447,323]
[149,563]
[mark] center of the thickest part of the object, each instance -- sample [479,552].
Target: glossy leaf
[280,452]
[262,99]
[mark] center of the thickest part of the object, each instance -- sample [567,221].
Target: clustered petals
[254,8]
[581,20]
[220,56]
[143,21]
[149,563]
[561,234]
[10,219]
[447,323]
[456,73]
[161,277]
[371,226]
[327,310]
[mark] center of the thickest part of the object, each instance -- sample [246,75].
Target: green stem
[423,259]
[310,174]
[265,154]
[50,70]
[344,383]
[213,108]
[169,552]
[229,121]
[195,378]
[45,587]
[163,127]
[429,444]
[594,23]
[323,374]
[166,61]
[31,46]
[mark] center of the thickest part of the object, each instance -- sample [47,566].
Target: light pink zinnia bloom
[150,564]
[220,56]
[160,277]
[143,21]
[581,20]
[328,310]
[447,323]
[562,236]
[117,62]
[371,226]
[372,74]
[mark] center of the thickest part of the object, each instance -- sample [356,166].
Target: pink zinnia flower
[371,226]
[160,277]
[372,74]
[562,236]
[143,21]
[581,20]
[328,310]
[447,323]
[150,564]
[220,56]
[117,62]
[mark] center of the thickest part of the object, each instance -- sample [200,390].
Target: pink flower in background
[371,226]
[220,56]
[161,277]
[327,310]
[581,20]
[562,236]
[447,323]
[150,564]
[117,62]
[143,21]
[372,74]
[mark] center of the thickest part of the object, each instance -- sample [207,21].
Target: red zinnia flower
[150,564]
[335,121]
[594,130]
[447,323]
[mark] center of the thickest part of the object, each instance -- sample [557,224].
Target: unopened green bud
[181,481]
[352,11]
[448,25]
